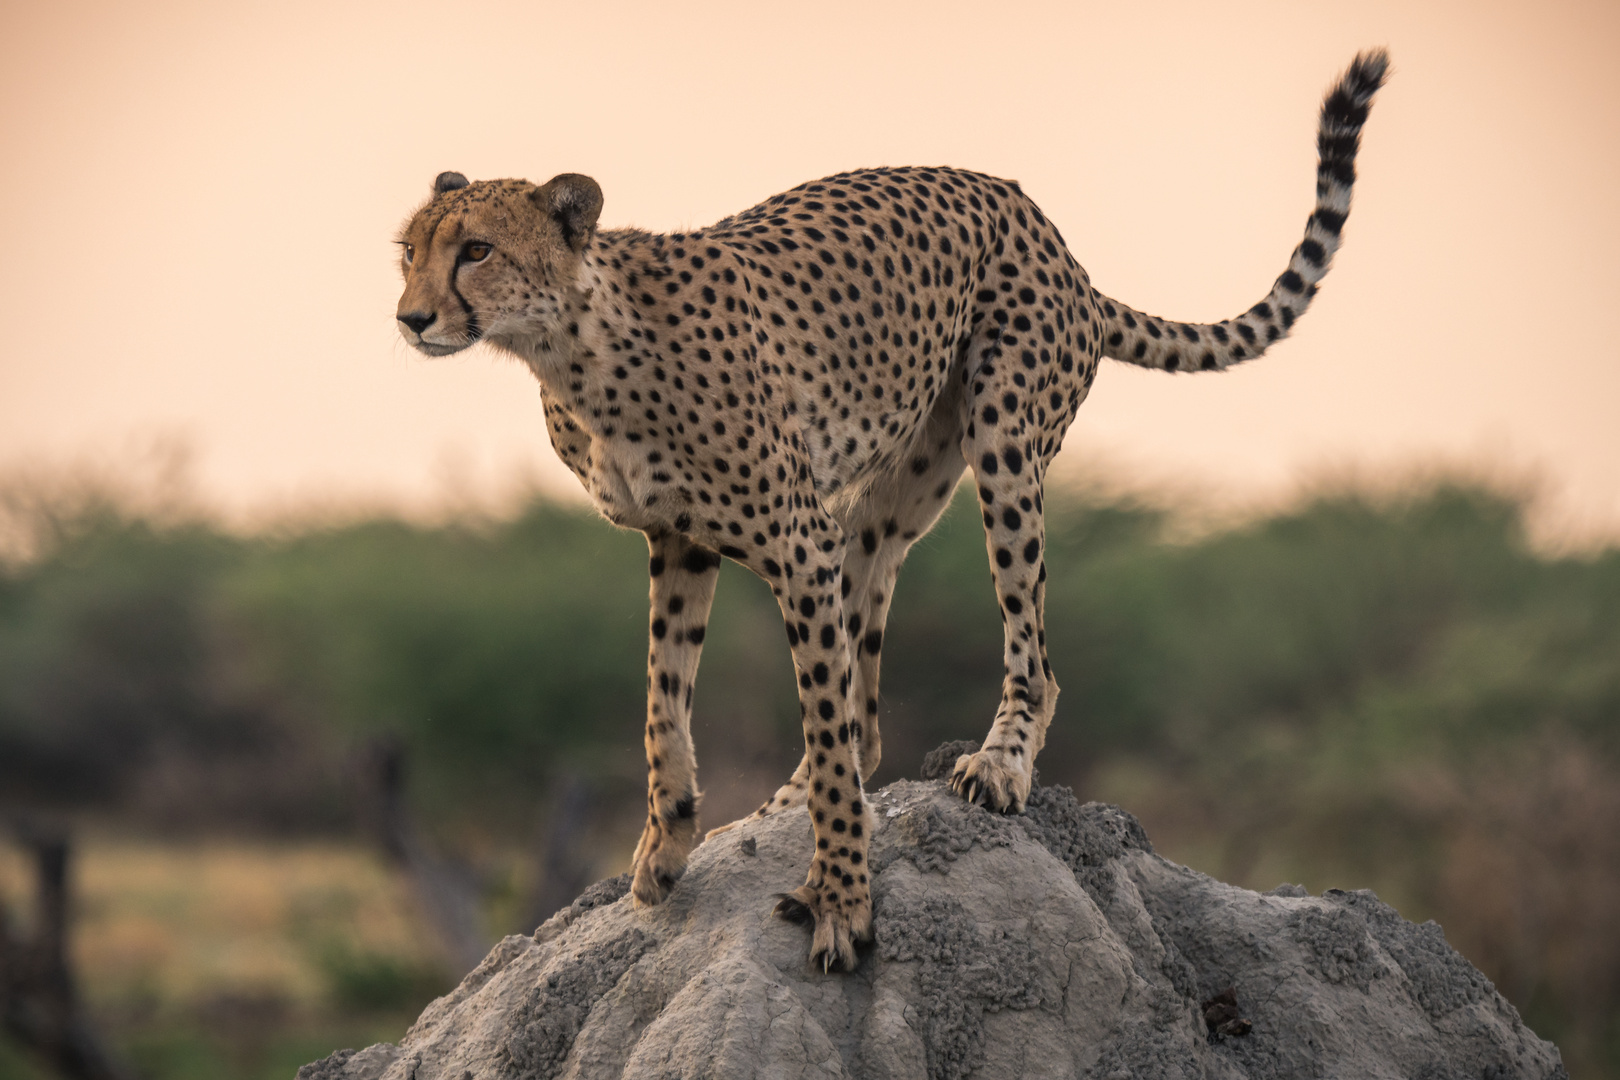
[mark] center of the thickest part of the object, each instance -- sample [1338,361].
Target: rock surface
[1055,944]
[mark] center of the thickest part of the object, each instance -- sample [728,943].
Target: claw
[836,933]
[833,958]
[984,780]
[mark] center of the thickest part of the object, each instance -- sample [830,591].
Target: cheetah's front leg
[683,580]
[868,586]
[836,895]
[869,574]
[911,501]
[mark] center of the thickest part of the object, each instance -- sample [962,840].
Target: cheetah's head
[491,259]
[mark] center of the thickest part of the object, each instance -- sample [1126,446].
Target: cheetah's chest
[618,479]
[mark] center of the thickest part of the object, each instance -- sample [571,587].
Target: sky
[201,198]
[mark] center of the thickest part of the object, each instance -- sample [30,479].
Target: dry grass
[167,931]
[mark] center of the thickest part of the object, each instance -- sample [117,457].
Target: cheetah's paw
[839,926]
[727,827]
[992,778]
[660,859]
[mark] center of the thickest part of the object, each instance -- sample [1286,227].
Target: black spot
[700,561]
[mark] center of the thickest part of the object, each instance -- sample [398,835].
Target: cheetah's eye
[477,251]
[410,253]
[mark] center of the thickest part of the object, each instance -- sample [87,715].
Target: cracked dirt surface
[1052,944]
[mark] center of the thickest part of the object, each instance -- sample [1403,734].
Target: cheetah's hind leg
[1008,465]
[787,796]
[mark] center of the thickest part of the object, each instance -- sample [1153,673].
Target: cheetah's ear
[573,202]
[448,181]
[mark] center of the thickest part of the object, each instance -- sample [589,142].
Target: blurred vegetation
[1385,692]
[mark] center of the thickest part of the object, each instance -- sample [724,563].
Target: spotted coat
[799,388]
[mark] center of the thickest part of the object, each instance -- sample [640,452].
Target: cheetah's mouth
[442,348]
[434,349]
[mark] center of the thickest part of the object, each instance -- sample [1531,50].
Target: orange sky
[200,199]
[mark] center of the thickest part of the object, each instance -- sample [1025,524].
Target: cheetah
[799,388]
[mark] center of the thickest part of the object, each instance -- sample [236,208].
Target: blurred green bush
[365,981]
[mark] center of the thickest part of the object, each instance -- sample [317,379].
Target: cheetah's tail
[1174,346]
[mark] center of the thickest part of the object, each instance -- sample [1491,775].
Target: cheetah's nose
[418,321]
